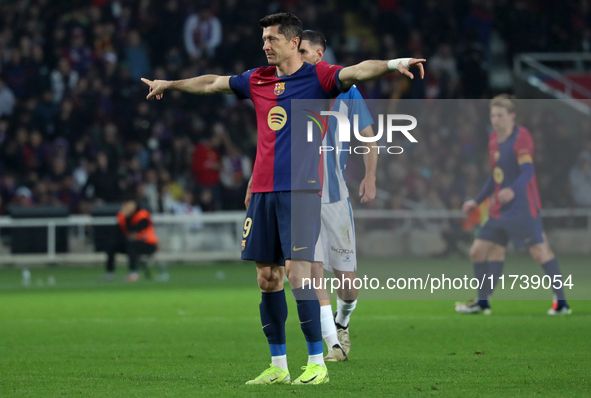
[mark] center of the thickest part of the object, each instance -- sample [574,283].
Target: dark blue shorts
[522,232]
[281,226]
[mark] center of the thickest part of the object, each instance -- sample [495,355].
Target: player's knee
[477,254]
[268,280]
[497,253]
[537,255]
[541,253]
[317,270]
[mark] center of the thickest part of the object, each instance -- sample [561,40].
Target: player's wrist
[393,63]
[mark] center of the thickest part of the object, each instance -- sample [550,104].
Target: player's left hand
[367,189]
[413,62]
[505,195]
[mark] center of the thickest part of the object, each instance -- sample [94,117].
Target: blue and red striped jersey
[506,159]
[272,95]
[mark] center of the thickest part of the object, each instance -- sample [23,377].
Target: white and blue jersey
[334,186]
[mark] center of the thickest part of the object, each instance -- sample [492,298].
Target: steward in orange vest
[136,236]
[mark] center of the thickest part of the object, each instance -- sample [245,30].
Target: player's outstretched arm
[202,85]
[370,70]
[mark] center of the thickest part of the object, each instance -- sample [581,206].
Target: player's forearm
[527,172]
[370,159]
[487,190]
[366,70]
[202,85]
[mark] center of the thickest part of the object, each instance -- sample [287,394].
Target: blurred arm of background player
[367,188]
[487,191]
[202,85]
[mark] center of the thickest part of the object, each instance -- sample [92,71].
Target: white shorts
[336,244]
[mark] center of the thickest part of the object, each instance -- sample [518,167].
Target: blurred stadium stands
[76,130]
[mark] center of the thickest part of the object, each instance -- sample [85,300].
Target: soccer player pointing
[515,209]
[268,238]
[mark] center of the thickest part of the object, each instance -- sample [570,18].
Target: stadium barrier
[217,236]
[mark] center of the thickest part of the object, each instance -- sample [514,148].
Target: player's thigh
[298,217]
[490,234]
[260,234]
[527,232]
[338,237]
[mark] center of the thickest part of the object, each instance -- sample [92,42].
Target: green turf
[199,335]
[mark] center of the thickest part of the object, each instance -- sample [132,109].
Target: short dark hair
[315,38]
[289,25]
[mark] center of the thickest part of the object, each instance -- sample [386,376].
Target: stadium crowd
[75,128]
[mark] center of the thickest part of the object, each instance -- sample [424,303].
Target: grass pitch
[200,335]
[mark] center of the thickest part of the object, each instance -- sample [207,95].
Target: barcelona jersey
[506,158]
[271,94]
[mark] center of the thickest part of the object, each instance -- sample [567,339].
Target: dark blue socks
[552,269]
[309,313]
[480,269]
[273,309]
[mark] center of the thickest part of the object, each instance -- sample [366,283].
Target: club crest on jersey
[279,88]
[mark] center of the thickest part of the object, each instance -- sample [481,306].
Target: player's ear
[320,53]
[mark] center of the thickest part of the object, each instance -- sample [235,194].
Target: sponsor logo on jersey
[276,118]
[498,175]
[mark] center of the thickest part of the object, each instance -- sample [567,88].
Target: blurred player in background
[515,209]
[268,237]
[135,237]
[335,250]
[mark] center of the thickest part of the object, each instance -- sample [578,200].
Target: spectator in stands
[63,79]
[186,206]
[235,173]
[136,236]
[207,164]
[6,100]
[580,179]
[102,185]
[136,56]
[203,34]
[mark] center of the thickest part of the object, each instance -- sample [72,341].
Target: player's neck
[502,135]
[289,66]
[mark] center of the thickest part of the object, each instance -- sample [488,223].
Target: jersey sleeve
[240,84]
[359,108]
[328,75]
[524,147]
